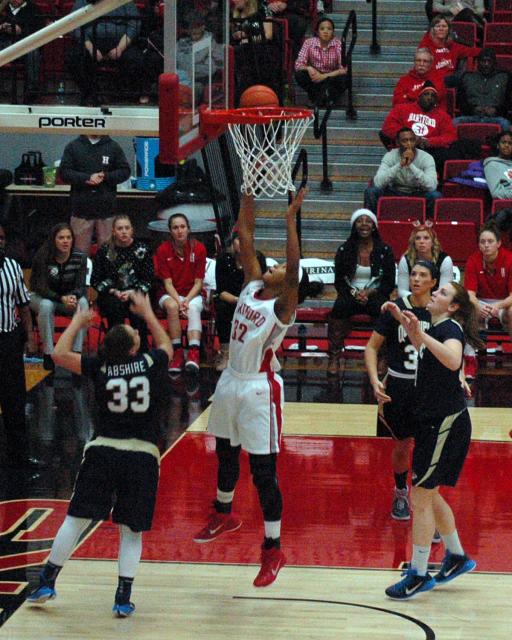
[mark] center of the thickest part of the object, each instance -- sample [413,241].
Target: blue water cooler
[151,174]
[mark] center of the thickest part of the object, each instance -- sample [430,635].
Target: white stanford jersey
[256,332]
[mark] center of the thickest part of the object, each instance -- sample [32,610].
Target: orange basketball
[259,95]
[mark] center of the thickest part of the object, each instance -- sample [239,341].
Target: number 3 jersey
[256,332]
[126,394]
[401,356]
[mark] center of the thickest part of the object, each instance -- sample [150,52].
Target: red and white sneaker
[470,367]
[192,363]
[272,561]
[177,363]
[218,523]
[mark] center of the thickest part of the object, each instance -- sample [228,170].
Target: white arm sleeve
[402,279]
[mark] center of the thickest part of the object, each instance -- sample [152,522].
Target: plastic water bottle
[61,93]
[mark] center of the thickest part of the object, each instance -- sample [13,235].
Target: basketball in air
[259,95]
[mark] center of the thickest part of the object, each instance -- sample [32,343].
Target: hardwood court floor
[343,549]
[218,602]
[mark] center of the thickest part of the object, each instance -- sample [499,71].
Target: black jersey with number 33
[401,355]
[126,394]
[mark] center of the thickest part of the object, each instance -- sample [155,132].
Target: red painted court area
[337,494]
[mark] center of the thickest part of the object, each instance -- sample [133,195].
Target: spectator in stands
[319,69]
[93,166]
[197,66]
[483,94]
[256,56]
[461,10]
[151,59]
[488,277]
[410,84]
[498,173]
[108,41]
[180,264]
[364,277]
[298,14]
[229,279]
[423,245]
[57,286]
[404,171]
[433,127]
[121,266]
[20,19]
[447,53]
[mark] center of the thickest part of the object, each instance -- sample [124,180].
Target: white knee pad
[195,308]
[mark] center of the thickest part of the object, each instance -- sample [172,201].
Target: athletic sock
[272,530]
[50,573]
[176,344]
[401,480]
[271,543]
[194,344]
[452,543]
[420,556]
[224,501]
[124,590]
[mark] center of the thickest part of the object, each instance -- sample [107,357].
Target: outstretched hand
[393,309]
[140,304]
[412,325]
[83,317]
[296,203]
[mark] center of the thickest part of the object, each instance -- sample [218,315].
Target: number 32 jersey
[256,332]
[126,394]
[402,357]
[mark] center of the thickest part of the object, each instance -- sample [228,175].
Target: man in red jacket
[433,128]
[410,84]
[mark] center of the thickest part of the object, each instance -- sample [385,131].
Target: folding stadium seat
[395,233]
[498,36]
[452,169]
[403,208]
[501,11]
[458,239]
[479,131]
[497,205]
[460,210]
[465,32]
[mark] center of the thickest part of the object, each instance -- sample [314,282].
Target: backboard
[197,71]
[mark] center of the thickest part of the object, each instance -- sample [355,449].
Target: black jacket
[79,161]
[382,262]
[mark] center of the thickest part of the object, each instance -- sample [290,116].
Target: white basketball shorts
[247,409]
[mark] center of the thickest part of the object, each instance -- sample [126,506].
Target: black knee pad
[229,465]
[264,476]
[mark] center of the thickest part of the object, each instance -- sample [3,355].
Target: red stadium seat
[403,208]
[504,63]
[465,32]
[497,205]
[452,169]
[480,132]
[458,239]
[396,233]
[460,210]
[498,36]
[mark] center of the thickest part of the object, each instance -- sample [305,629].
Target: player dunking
[395,395]
[248,405]
[121,463]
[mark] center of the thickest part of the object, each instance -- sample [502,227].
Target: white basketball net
[266,154]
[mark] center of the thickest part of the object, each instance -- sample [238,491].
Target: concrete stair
[354,147]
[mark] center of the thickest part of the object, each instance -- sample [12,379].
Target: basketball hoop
[266,140]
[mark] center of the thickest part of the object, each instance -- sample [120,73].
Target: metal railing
[302,161]
[375,46]
[348,42]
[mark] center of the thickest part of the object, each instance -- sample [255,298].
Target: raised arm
[246,224]
[64,356]
[141,306]
[287,302]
